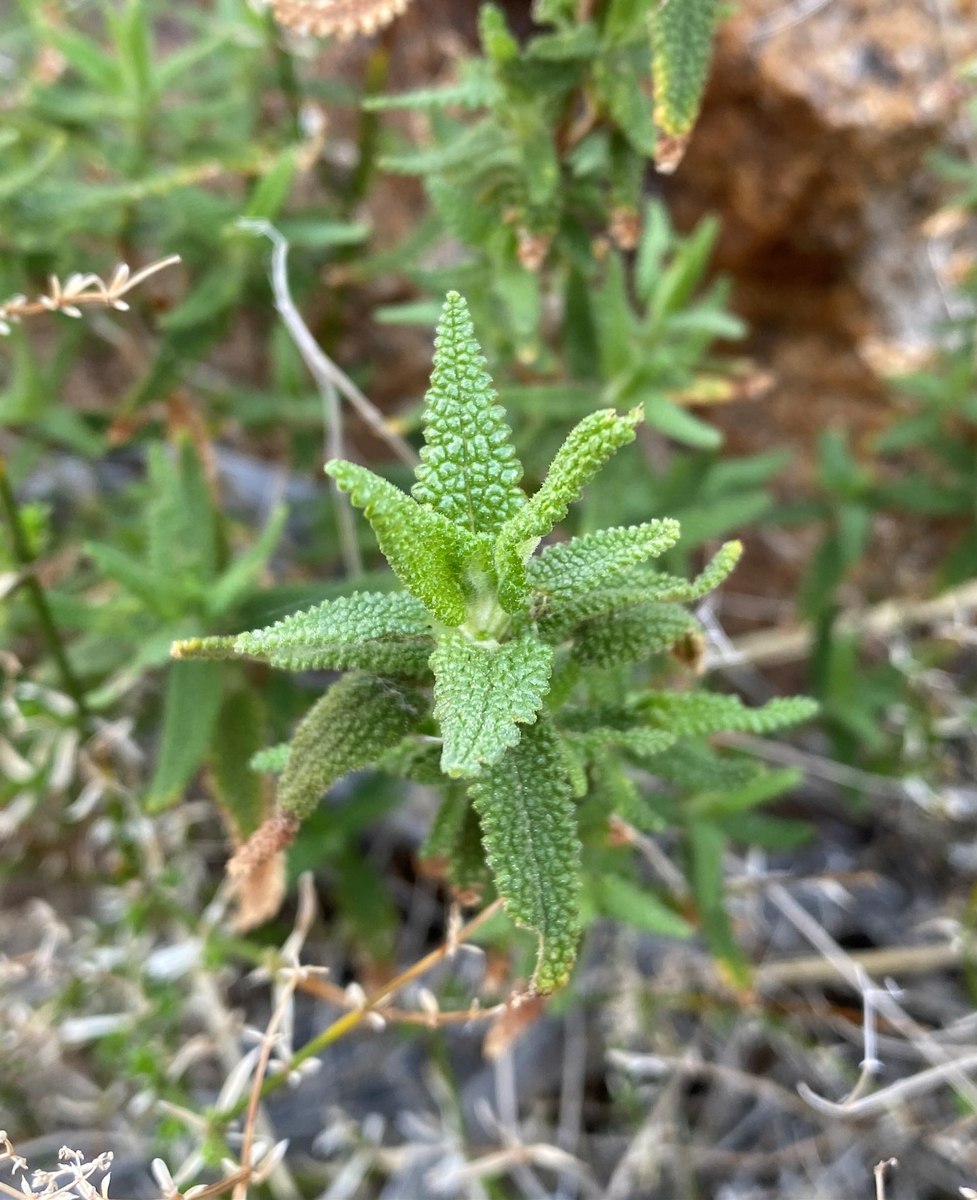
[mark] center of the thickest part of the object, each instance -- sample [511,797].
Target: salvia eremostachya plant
[500,672]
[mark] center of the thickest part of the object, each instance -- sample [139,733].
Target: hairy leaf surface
[384,632]
[529,826]
[681,48]
[574,567]
[482,693]
[426,551]
[469,471]
[585,451]
[630,634]
[359,718]
[660,586]
[698,713]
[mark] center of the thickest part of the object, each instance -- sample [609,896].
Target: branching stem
[349,1021]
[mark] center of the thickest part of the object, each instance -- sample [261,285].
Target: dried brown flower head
[342,18]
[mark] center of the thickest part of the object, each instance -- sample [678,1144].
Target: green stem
[377,71]
[38,597]
[287,79]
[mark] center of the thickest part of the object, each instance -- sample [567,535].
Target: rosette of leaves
[474,676]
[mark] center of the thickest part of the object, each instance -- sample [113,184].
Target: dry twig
[78,290]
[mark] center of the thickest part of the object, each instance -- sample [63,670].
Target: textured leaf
[630,634]
[531,842]
[585,451]
[558,617]
[359,718]
[193,696]
[699,713]
[383,632]
[427,552]
[469,471]
[387,633]
[670,587]
[482,693]
[681,48]
[574,567]
[695,766]
[419,761]
[641,742]
[475,88]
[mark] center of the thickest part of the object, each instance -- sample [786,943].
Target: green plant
[539,146]
[501,675]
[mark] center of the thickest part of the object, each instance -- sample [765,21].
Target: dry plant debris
[80,289]
[340,18]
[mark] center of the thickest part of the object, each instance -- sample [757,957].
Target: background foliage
[161,481]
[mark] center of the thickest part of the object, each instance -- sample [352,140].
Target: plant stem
[377,70]
[38,598]
[348,1021]
[288,83]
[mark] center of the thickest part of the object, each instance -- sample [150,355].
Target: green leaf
[193,696]
[428,553]
[631,634]
[585,451]
[680,425]
[482,693]
[19,180]
[681,48]
[237,738]
[640,743]
[701,713]
[497,42]
[706,846]
[271,760]
[271,191]
[531,843]
[763,787]
[181,522]
[389,633]
[670,587]
[619,89]
[618,897]
[469,472]
[86,57]
[772,833]
[359,718]
[233,585]
[574,567]
[150,587]
[456,836]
